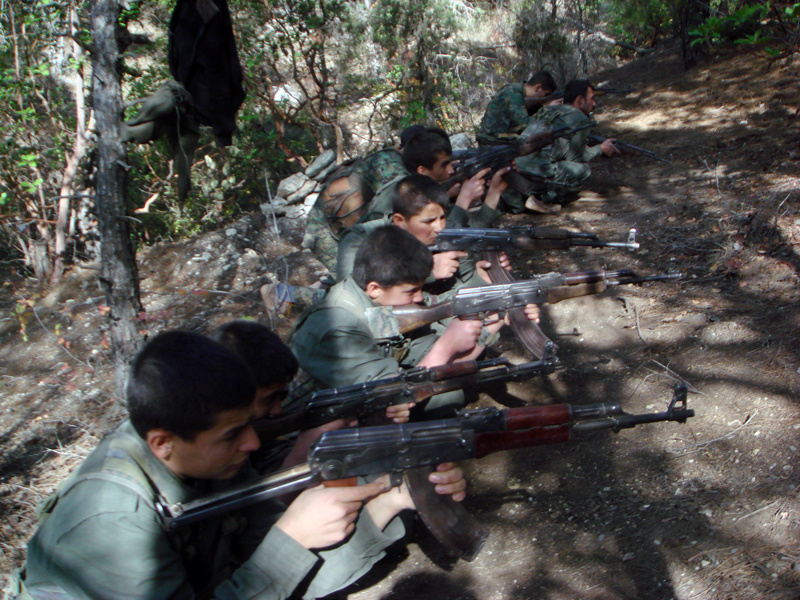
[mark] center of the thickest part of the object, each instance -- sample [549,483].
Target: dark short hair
[269,360]
[413,193]
[409,132]
[180,381]
[575,88]
[423,149]
[391,256]
[544,79]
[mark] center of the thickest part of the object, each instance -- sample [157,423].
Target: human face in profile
[425,225]
[215,453]
[442,169]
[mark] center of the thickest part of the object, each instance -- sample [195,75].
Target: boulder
[291,184]
[321,163]
[460,141]
[307,188]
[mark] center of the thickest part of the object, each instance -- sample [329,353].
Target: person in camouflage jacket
[356,183]
[565,162]
[507,112]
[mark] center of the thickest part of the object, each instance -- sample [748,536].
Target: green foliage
[34,99]
[415,39]
[640,21]
[742,26]
[541,37]
[750,23]
[398,24]
[131,11]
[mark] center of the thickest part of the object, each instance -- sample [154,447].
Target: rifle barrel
[282,482]
[395,448]
[625,146]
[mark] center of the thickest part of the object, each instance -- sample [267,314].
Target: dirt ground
[708,510]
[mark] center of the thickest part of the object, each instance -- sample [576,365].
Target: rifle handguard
[565,292]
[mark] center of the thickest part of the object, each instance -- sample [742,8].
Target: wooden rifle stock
[414,316]
[565,292]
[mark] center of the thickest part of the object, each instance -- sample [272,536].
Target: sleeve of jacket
[349,243]
[347,563]
[457,218]
[336,348]
[107,543]
[591,152]
[514,105]
[484,217]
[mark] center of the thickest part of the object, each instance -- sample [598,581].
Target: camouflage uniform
[368,175]
[506,113]
[565,161]
[381,204]
[379,168]
[319,237]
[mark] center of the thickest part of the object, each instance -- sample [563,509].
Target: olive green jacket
[101,537]
[352,238]
[347,338]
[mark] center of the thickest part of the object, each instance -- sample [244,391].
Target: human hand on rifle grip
[494,323]
[497,186]
[472,189]
[448,480]
[608,147]
[400,413]
[323,516]
[445,264]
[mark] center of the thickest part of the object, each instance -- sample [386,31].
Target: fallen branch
[694,448]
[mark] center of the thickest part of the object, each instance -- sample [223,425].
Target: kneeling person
[191,404]
[351,336]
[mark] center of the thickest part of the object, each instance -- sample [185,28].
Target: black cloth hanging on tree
[203,58]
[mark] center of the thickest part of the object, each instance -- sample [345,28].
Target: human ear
[160,442]
[399,220]
[374,290]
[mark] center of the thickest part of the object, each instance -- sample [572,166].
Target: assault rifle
[627,148]
[410,450]
[361,400]
[478,302]
[475,160]
[523,237]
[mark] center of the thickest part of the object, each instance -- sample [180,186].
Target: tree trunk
[118,274]
[73,160]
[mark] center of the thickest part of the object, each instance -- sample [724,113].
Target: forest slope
[707,511]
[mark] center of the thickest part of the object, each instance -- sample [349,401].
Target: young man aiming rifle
[352,337]
[191,403]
